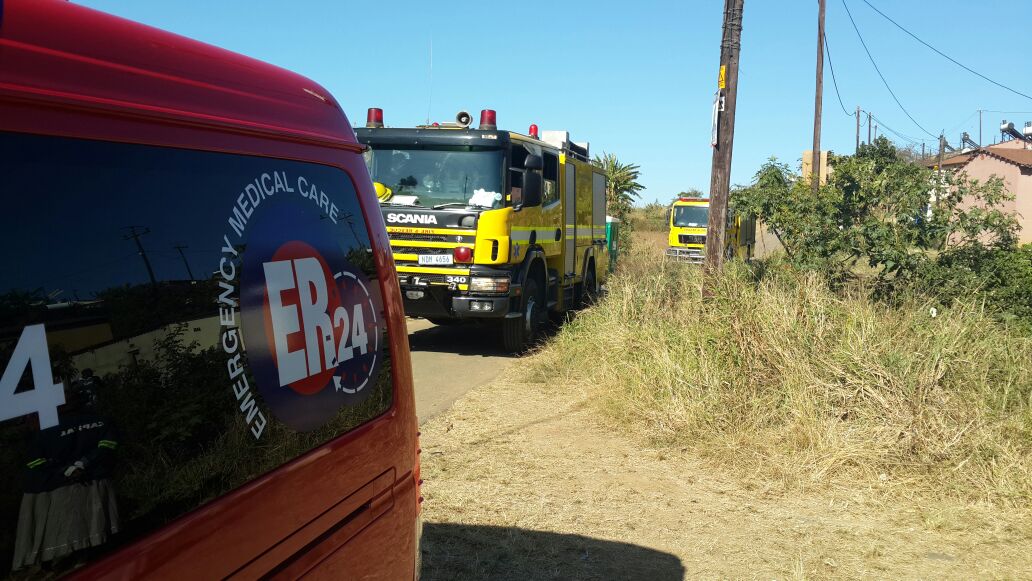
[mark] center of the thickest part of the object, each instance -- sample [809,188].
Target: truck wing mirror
[531,189]
[533,161]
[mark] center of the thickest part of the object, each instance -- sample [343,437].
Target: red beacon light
[463,254]
[533,131]
[488,119]
[435,124]
[374,118]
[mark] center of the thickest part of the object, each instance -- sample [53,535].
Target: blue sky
[635,78]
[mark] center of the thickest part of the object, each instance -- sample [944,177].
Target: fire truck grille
[432,237]
[691,239]
[420,250]
[422,237]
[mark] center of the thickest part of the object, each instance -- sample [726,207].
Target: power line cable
[944,55]
[962,123]
[886,83]
[902,136]
[834,81]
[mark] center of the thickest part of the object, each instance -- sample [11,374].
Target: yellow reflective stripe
[427,244]
[108,444]
[522,233]
[445,231]
[37,462]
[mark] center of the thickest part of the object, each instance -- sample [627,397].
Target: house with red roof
[1009,160]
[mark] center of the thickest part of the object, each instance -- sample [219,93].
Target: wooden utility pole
[723,143]
[135,235]
[857,129]
[186,263]
[868,128]
[818,103]
[980,128]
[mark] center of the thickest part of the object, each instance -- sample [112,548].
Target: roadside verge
[523,482]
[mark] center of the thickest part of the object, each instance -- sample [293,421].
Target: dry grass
[773,433]
[790,383]
[524,482]
[643,241]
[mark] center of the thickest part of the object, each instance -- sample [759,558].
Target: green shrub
[1000,278]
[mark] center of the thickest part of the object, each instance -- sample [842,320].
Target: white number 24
[46,396]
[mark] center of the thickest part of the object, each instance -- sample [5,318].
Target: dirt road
[449,361]
[522,482]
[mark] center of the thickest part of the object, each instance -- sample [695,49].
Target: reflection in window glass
[691,216]
[550,194]
[173,323]
[440,177]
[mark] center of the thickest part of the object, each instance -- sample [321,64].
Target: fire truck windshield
[691,216]
[439,177]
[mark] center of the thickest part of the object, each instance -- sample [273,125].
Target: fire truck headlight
[468,221]
[484,284]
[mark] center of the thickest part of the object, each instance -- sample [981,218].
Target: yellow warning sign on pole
[722,81]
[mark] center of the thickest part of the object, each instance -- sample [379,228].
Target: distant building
[1010,161]
[807,167]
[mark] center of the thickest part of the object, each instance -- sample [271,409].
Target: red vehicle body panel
[66,70]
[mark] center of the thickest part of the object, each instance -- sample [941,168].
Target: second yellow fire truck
[489,225]
[687,235]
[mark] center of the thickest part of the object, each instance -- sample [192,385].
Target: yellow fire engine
[489,225]
[687,238]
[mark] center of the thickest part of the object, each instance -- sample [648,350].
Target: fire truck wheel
[520,333]
[590,291]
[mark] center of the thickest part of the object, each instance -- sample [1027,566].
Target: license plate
[435,259]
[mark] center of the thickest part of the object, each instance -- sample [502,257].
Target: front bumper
[480,307]
[686,254]
[439,302]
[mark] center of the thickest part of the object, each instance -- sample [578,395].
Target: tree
[622,186]
[690,193]
[879,208]
[652,217]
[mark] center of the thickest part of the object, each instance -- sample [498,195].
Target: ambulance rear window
[173,324]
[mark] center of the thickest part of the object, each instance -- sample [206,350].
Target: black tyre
[520,333]
[589,290]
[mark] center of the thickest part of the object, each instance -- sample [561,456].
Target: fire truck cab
[686,241]
[489,225]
